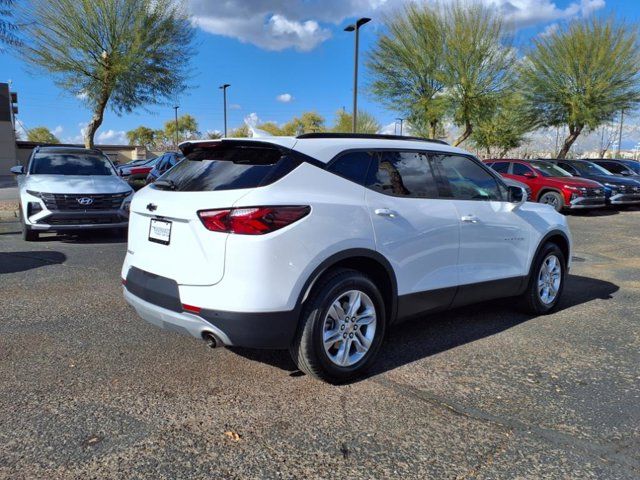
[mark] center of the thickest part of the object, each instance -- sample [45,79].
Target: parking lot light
[351,28]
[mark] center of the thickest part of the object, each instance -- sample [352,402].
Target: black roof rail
[371,136]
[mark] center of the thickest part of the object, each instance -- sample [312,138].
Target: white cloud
[21,132]
[235,106]
[110,137]
[550,30]
[275,32]
[252,119]
[58,130]
[114,137]
[285,98]
[525,13]
[78,138]
[304,24]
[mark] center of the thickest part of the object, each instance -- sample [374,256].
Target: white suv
[319,243]
[71,188]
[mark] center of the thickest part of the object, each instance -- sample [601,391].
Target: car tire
[537,299]
[554,199]
[28,235]
[356,342]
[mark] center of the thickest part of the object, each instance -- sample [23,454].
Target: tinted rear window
[229,167]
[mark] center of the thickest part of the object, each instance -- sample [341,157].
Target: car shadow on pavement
[422,337]
[89,237]
[596,212]
[13,262]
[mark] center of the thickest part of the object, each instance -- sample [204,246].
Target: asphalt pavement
[89,390]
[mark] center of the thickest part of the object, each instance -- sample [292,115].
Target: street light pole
[401,120]
[351,28]
[620,132]
[176,117]
[224,95]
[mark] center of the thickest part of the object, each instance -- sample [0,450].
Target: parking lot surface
[89,390]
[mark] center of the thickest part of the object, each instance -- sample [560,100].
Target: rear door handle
[384,212]
[469,219]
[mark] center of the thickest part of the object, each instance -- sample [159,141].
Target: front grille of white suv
[66,202]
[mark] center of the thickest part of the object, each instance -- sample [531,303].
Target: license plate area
[160,231]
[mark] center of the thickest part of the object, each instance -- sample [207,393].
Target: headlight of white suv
[126,204]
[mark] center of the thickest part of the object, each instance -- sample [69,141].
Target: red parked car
[552,185]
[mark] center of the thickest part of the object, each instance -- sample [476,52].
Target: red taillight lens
[191,308]
[251,220]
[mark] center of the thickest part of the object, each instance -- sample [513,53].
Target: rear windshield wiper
[166,184]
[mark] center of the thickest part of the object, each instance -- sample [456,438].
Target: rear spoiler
[187,147]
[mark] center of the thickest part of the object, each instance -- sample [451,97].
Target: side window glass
[568,168]
[403,174]
[501,167]
[468,180]
[520,169]
[614,167]
[353,166]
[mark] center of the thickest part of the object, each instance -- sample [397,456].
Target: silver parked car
[71,188]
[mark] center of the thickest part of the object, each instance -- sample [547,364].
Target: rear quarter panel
[268,272]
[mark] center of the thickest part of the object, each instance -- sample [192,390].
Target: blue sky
[269,48]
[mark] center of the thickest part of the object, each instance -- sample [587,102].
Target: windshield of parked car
[70,164]
[550,170]
[589,168]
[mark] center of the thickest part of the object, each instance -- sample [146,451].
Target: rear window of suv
[223,166]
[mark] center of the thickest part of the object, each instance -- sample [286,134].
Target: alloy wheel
[349,328]
[549,279]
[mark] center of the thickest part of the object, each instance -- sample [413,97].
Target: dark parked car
[164,163]
[625,168]
[618,190]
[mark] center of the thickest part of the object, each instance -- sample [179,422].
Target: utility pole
[176,119]
[224,96]
[620,132]
[356,27]
[401,120]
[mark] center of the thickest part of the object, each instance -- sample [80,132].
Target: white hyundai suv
[71,188]
[319,243]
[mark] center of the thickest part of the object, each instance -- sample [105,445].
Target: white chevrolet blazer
[319,243]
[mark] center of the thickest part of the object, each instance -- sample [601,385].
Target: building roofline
[28,144]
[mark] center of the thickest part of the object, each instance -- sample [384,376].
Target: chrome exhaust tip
[211,340]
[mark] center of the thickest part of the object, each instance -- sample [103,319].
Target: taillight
[251,220]
[191,308]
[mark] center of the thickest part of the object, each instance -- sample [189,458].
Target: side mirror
[517,195]
[529,175]
[17,170]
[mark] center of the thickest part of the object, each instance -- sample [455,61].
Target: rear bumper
[180,322]
[271,330]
